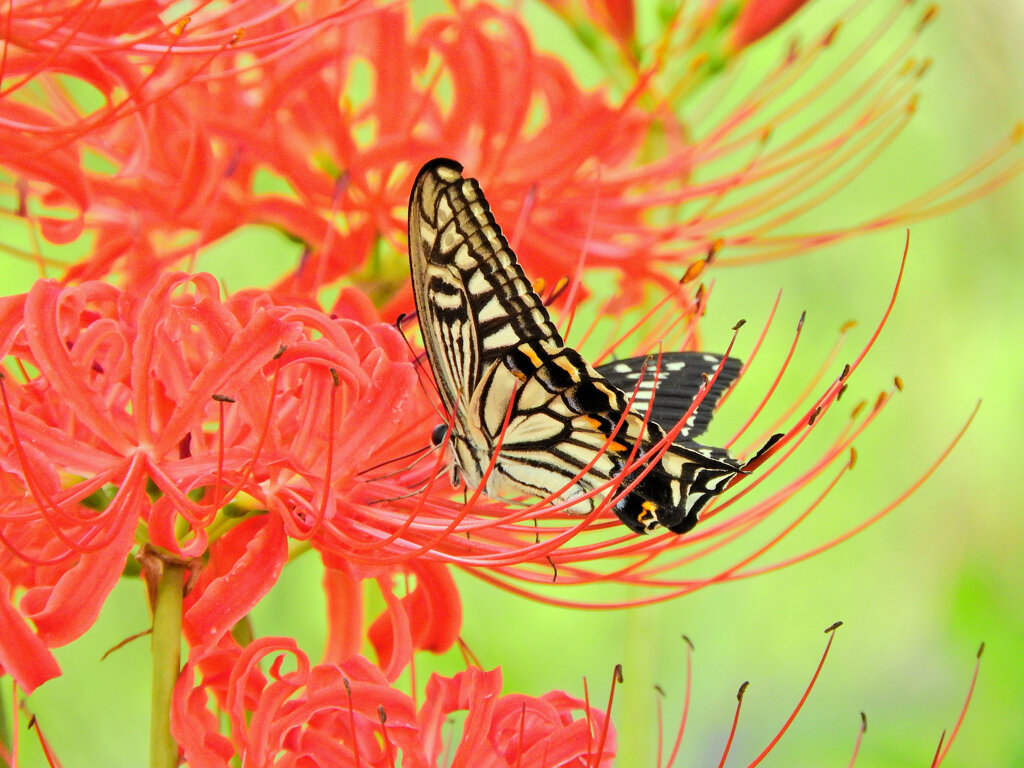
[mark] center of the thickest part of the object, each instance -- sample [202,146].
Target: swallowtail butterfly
[571,428]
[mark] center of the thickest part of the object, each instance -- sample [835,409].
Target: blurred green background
[918,591]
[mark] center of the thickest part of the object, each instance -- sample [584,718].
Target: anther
[928,17]
[713,249]
[693,271]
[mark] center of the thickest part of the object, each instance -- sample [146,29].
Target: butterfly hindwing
[570,432]
[561,428]
[674,379]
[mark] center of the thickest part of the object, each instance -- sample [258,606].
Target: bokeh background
[918,592]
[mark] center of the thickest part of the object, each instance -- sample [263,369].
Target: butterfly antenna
[414,492]
[425,450]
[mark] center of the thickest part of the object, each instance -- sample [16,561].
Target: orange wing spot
[592,423]
[568,367]
[616,446]
[533,356]
[650,513]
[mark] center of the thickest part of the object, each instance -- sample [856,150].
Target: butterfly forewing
[566,431]
[470,292]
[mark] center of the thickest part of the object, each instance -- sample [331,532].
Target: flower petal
[23,655]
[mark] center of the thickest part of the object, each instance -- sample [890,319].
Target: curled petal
[23,655]
[428,618]
[237,585]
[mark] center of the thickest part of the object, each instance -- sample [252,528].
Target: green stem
[166,649]
[5,734]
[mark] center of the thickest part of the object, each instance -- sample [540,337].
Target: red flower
[105,405]
[348,714]
[214,120]
[194,416]
[159,410]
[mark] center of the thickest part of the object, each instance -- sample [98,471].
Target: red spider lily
[193,113]
[334,711]
[118,429]
[181,419]
[348,714]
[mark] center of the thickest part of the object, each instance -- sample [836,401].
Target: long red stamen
[941,752]
[616,678]
[383,716]
[860,738]
[686,705]
[735,722]
[807,692]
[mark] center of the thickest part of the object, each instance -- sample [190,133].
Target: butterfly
[561,428]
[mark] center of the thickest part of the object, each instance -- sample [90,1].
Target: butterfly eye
[437,434]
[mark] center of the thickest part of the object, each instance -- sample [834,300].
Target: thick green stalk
[166,650]
[5,735]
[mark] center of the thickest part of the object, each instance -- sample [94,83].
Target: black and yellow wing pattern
[562,429]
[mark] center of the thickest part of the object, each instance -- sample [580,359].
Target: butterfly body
[528,415]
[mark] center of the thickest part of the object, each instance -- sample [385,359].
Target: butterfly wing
[473,300]
[672,381]
[570,432]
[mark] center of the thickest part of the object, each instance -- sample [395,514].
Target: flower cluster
[348,714]
[312,124]
[155,423]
